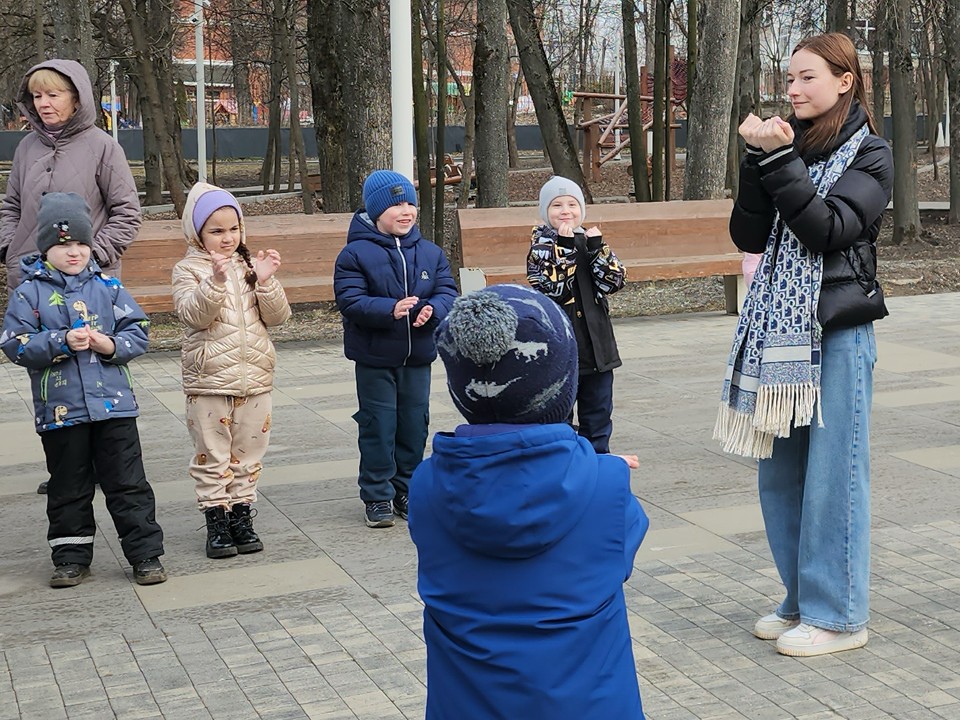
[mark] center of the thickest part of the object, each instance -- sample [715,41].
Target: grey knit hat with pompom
[511,357]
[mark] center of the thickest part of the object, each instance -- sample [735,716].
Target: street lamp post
[113,98]
[197,21]
[401,87]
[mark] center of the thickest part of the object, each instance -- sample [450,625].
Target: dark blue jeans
[594,409]
[393,419]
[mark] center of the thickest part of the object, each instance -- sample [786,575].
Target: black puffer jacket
[843,225]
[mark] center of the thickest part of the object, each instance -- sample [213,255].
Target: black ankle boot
[240,518]
[219,541]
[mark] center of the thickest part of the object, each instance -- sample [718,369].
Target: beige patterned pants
[230,437]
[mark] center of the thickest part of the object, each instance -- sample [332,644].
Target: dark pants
[107,452]
[393,418]
[594,409]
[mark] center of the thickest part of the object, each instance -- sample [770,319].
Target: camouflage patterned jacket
[73,387]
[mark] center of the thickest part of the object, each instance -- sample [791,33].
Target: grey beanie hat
[63,217]
[510,355]
[557,187]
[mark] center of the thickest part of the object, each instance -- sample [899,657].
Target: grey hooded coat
[83,159]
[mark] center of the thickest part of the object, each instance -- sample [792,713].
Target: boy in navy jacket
[75,329]
[392,287]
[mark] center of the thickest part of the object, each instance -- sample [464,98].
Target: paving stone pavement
[326,622]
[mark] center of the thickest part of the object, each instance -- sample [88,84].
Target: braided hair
[251,274]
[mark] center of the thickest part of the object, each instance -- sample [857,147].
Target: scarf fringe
[779,409]
[738,436]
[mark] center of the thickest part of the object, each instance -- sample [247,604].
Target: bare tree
[421,122]
[838,16]
[952,40]
[746,95]
[543,90]
[240,51]
[490,76]
[709,126]
[73,34]
[903,96]
[638,145]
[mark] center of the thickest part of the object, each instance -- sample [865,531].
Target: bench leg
[471,279]
[734,293]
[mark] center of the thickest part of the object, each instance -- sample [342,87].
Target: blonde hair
[46,79]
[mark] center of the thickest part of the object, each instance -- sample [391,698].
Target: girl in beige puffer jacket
[227,300]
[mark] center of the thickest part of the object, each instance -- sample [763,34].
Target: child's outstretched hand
[426,312]
[266,264]
[403,307]
[220,265]
[632,461]
[593,232]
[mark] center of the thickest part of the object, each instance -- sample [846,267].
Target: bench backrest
[500,237]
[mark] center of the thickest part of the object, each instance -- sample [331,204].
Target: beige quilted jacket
[226,349]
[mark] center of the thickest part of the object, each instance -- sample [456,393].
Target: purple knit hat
[208,203]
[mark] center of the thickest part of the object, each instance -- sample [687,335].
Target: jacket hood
[191,233]
[86,115]
[363,228]
[34,267]
[512,494]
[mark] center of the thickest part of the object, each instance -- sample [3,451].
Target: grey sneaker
[379,514]
[772,626]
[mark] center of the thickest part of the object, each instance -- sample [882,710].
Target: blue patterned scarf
[773,375]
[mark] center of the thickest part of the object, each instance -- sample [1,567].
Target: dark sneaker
[379,514]
[149,572]
[42,488]
[400,504]
[68,575]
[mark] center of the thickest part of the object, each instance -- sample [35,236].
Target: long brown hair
[251,274]
[841,57]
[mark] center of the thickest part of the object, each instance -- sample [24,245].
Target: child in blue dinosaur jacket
[75,329]
[392,287]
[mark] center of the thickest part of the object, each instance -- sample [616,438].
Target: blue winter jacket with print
[373,272]
[73,387]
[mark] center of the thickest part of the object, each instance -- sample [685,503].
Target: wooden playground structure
[605,136]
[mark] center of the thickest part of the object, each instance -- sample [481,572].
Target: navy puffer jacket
[373,272]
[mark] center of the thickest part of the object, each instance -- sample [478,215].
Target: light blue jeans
[815,493]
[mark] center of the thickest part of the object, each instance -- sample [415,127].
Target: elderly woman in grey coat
[66,152]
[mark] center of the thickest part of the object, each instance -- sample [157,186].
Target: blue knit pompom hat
[384,188]
[511,357]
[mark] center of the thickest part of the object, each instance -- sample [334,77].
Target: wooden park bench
[308,244]
[655,241]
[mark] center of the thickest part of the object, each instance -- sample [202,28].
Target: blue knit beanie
[511,357]
[384,188]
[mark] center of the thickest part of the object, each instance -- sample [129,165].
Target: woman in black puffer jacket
[800,377]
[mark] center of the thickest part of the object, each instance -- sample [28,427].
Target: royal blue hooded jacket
[525,538]
[73,387]
[373,272]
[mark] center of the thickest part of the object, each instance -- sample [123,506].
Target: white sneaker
[806,641]
[772,626]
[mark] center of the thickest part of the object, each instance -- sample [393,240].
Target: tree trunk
[660,100]
[556,136]
[490,104]
[838,16]
[270,170]
[878,80]
[421,123]
[154,102]
[39,37]
[441,54]
[73,35]
[240,51]
[903,96]
[512,153]
[297,150]
[709,128]
[324,51]
[746,98]
[952,39]
[153,172]
[469,142]
[693,44]
[638,153]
